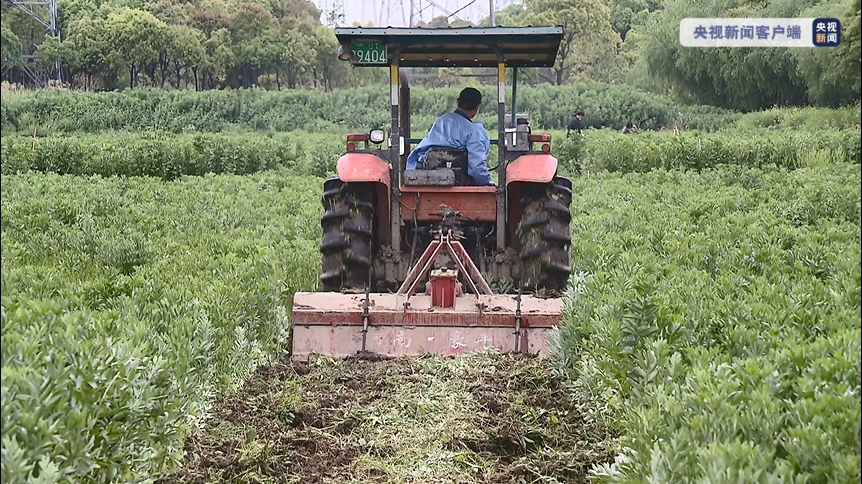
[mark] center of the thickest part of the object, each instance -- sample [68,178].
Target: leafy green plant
[802,118]
[604,150]
[130,303]
[714,318]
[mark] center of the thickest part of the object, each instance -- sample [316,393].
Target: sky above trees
[396,13]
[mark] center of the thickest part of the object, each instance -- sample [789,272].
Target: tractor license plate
[369,53]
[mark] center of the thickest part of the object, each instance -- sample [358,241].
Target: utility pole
[411,13]
[493,17]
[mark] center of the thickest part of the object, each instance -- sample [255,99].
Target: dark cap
[469,99]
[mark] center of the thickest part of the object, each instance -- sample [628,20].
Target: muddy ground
[487,418]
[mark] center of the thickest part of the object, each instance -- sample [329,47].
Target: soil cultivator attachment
[444,320]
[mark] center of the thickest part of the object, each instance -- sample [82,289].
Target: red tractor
[407,253]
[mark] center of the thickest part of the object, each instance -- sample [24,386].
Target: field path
[487,418]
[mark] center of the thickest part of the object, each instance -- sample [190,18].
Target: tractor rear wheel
[546,236]
[348,235]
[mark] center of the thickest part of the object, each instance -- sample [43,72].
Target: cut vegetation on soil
[485,418]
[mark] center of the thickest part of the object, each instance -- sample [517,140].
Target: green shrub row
[550,107]
[169,156]
[615,152]
[606,105]
[714,318]
[129,304]
[802,118]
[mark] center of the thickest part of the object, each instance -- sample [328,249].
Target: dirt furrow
[487,418]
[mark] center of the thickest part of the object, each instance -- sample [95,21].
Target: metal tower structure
[412,12]
[333,12]
[416,14]
[44,12]
[418,8]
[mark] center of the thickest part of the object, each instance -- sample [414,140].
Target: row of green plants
[713,317]
[550,107]
[128,304]
[611,151]
[605,105]
[802,118]
[169,155]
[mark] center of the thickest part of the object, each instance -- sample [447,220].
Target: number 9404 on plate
[369,53]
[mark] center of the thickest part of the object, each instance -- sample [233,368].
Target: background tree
[51,51]
[169,11]
[627,13]
[208,21]
[511,16]
[220,58]
[588,38]
[11,46]
[136,37]
[747,78]
[830,74]
[253,41]
[332,70]
[851,61]
[184,52]
[92,44]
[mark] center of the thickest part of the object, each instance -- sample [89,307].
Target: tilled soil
[486,418]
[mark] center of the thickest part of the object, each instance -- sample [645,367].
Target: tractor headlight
[377,136]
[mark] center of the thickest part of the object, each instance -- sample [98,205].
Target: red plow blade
[332,324]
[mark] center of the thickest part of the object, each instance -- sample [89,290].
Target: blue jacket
[457,131]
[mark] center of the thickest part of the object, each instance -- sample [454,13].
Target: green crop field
[716,317]
[711,330]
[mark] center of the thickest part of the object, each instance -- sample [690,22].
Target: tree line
[288,44]
[178,44]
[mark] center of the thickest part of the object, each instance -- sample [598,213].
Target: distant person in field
[576,124]
[631,128]
[458,131]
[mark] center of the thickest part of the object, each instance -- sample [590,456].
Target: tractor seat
[439,157]
[443,167]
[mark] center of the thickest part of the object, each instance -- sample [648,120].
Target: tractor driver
[457,130]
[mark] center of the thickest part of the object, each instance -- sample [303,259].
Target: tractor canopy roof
[450,47]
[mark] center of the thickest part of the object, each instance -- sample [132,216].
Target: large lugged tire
[348,235]
[546,236]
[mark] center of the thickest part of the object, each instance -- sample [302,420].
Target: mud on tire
[546,236]
[348,235]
